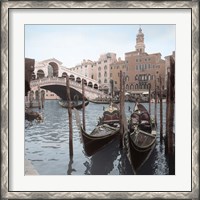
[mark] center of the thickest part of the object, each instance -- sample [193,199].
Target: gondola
[106,130]
[142,136]
[103,101]
[64,104]
[99,137]
[110,115]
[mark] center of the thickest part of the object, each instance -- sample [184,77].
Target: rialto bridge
[50,75]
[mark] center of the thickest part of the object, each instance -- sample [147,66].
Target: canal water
[47,145]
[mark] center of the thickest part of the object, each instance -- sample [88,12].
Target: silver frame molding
[193,5]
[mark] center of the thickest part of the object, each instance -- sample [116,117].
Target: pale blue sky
[72,43]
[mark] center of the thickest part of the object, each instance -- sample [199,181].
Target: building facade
[103,66]
[115,69]
[143,69]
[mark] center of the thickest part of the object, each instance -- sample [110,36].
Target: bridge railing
[62,81]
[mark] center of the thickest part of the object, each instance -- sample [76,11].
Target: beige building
[115,69]
[104,70]
[143,68]
[86,68]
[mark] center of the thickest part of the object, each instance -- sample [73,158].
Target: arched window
[90,84]
[71,77]
[64,74]
[99,74]
[127,87]
[99,68]
[132,87]
[105,67]
[136,86]
[95,86]
[99,81]
[105,80]
[40,74]
[105,74]
[78,80]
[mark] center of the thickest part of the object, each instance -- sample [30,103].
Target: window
[105,74]
[136,67]
[105,61]
[99,81]
[99,74]
[136,60]
[99,68]
[110,74]
[105,80]
[105,67]
[115,82]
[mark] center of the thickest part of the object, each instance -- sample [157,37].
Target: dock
[29,168]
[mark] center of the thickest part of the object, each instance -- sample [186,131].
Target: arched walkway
[64,74]
[71,77]
[78,80]
[40,74]
[55,68]
[90,84]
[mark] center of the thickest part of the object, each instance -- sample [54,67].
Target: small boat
[64,104]
[32,115]
[106,130]
[98,138]
[142,136]
[103,101]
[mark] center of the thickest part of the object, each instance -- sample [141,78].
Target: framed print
[100,100]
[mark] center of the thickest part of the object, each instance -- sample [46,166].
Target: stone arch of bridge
[40,74]
[54,68]
[60,90]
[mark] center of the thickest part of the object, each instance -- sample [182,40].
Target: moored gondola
[106,130]
[99,137]
[142,136]
[64,104]
[103,101]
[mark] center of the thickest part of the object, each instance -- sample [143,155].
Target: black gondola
[103,101]
[106,130]
[64,104]
[142,136]
[99,137]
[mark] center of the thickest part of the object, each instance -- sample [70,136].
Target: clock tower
[140,46]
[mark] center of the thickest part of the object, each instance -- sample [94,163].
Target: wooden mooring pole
[83,103]
[70,117]
[161,112]
[170,116]
[39,97]
[167,114]
[155,110]
[121,108]
[42,98]
[150,99]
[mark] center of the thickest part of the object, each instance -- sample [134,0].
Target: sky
[71,44]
